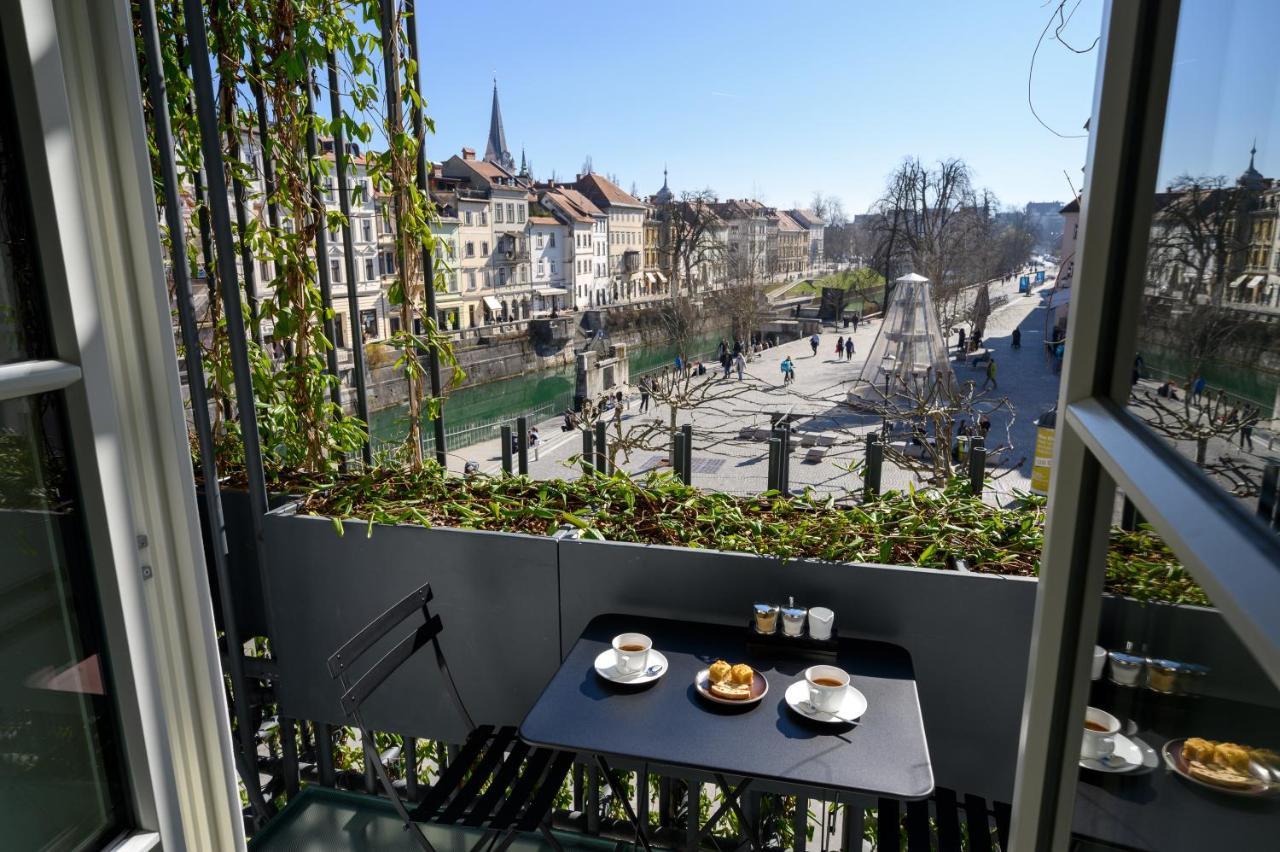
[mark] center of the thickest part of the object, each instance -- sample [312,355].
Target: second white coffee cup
[827,685]
[632,652]
[1100,729]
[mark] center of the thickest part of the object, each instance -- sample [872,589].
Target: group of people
[844,348]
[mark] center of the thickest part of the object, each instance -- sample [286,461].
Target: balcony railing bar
[322,248]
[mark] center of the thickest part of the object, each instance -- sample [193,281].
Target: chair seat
[496,781]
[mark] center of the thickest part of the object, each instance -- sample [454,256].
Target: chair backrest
[349,655]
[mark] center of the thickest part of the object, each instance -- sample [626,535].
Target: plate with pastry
[1222,766]
[726,683]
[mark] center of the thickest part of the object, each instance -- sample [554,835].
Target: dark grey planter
[497,595]
[242,563]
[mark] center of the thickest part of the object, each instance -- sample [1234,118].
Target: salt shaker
[765,618]
[793,618]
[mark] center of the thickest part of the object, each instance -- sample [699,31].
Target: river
[474,413]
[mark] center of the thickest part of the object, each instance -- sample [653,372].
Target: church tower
[496,150]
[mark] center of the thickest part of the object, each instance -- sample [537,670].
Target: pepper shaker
[793,618]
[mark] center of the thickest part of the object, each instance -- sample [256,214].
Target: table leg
[641,835]
[730,803]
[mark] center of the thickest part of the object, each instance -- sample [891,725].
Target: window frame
[1101,447]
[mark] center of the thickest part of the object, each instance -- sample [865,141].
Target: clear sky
[772,99]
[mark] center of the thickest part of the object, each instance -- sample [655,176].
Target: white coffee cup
[827,685]
[632,652]
[1099,744]
[1099,661]
[821,621]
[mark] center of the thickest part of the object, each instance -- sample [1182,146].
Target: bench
[815,455]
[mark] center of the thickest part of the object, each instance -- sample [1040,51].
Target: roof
[492,174]
[787,223]
[807,218]
[1072,206]
[605,192]
[735,208]
[543,220]
[572,204]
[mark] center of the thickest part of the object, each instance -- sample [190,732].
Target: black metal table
[1157,810]
[667,723]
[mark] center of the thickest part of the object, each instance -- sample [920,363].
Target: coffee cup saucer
[1128,756]
[607,667]
[851,708]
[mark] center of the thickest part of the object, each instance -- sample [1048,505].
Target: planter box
[497,595]
[242,562]
[968,634]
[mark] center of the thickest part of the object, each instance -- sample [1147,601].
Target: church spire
[524,164]
[495,150]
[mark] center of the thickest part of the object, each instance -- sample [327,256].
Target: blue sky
[772,99]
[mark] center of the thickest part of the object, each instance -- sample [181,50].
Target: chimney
[468,153]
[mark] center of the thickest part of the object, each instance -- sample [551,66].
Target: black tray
[779,644]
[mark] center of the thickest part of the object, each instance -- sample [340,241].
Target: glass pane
[1207,372]
[60,784]
[1182,736]
[23,318]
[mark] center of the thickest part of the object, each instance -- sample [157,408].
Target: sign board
[1039,276]
[1024,284]
[1042,461]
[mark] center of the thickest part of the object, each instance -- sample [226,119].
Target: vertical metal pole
[268,163]
[289,755]
[593,800]
[784,461]
[588,451]
[602,447]
[318,210]
[246,252]
[428,263]
[642,798]
[977,465]
[872,473]
[800,823]
[693,814]
[212,152]
[324,754]
[664,802]
[409,754]
[687,461]
[677,455]
[522,444]
[349,258]
[1269,495]
[775,458]
[506,449]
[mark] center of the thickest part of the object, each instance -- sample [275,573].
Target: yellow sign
[1042,463]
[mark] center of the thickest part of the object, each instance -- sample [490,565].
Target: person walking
[788,371]
[535,441]
[679,364]
[848,349]
[1246,428]
[726,363]
[644,395]
[1016,338]
[960,343]
[991,374]
[741,363]
[857,318]
[1197,389]
[813,344]
[840,346]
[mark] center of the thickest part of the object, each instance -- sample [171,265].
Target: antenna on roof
[1070,184]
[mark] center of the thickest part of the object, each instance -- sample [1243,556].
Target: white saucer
[607,668]
[853,706]
[1127,757]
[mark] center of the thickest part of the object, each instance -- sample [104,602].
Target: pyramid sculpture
[909,355]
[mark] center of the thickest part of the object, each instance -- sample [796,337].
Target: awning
[1238,281]
[1253,285]
[662,279]
[1060,297]
[492,303]
[649,277]
[550,292]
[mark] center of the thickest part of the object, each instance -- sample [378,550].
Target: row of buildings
[510,248]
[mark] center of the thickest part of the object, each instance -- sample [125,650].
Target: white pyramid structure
[909,355]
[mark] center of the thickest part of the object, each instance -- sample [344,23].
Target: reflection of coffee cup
[1099,661]
[632,651]
[827,685]
[1100,729]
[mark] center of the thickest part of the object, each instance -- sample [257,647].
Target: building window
[520,211]
[368,269]
[471,279]
[502,277]
[395,326]
[484,249]
[335,271]
[523,274]
[366,229]
[538,241]
[497,214]
[471,249]
[551,240]
[541,270]
[484,217]
[369,324]
[466,217]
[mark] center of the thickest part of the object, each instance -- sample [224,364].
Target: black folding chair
[496,782]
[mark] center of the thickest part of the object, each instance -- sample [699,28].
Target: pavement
[723,462]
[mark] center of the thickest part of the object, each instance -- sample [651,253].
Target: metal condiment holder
[779,643]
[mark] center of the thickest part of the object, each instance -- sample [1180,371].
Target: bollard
[588,451]
[506,450]
[775,456]
[977,465]
[875,466]
[602,447]
[522,444]
[1129,518]
[687,460]
[784,463]
[1269,496]
[677,455]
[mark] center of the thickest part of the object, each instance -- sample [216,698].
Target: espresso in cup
[1100,729]
[632,652]
[827,686]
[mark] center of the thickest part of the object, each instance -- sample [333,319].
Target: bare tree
[1196,421]
[688,245]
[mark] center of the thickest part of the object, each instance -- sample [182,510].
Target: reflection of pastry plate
[852,706]
[607,668]
[1256,784]
[759,686]
[1127,757]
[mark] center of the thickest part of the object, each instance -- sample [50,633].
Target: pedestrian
[848,349]
[737,346]
[535,441]
[840,346]
[813,344]
[960,344]
[1016,338]
[740,362]
[857,318]
[622,401]
[991,374]
[644,395]
[679,364]
[726,363]
[1197,389]
[788,371]
[1246,428]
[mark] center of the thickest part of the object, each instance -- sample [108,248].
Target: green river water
[474,413]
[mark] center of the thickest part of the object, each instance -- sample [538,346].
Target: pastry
[719,671]
[1219,776]
[1196,748]
[742,674]
[731,691]
[1231,756]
